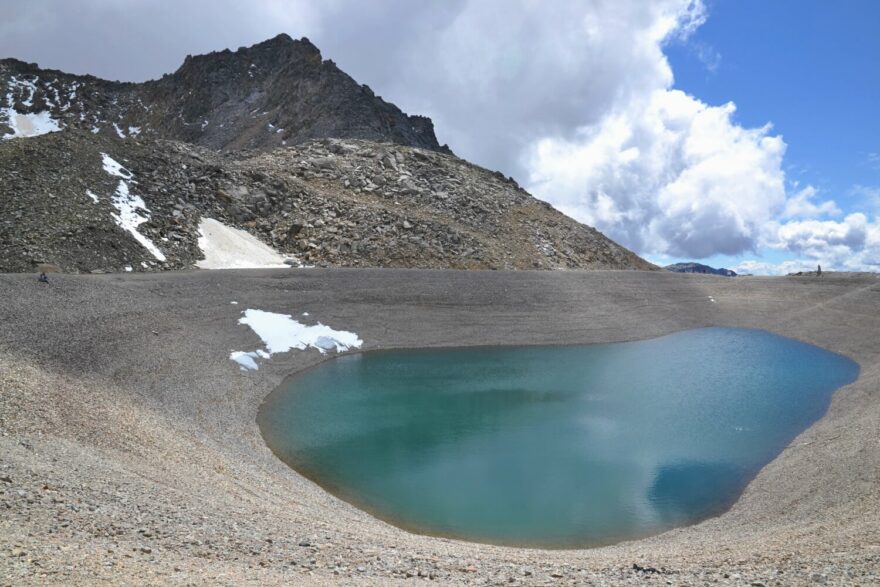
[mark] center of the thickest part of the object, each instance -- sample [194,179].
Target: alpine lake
[552,446]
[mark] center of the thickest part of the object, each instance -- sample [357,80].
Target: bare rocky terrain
[270,139]
[327,202]
[130,454]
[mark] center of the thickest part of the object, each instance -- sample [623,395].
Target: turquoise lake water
[553,446]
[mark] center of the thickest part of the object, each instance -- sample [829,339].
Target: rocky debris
[114,439]
[57,208]
[278,92]
[328,202]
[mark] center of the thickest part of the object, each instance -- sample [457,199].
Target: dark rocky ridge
[274,93]
[270,139]
[699,268]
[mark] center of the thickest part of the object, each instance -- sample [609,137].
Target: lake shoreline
[625,427]
[131,448]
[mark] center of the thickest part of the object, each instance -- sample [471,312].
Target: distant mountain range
[699,268]
[273,140]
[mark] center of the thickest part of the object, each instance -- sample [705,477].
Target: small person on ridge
[819,271]
[43,278]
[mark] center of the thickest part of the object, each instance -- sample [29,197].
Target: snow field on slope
[225,247]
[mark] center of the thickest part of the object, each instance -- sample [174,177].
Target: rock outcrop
[279,92]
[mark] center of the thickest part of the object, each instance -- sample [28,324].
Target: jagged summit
[275,93]
[282,40]
[272,52]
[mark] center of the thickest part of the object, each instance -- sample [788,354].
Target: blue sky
[812,69]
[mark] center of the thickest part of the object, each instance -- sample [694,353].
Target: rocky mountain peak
[279,92]
[272,140]
[271,55]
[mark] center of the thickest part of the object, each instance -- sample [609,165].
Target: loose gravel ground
[129,451]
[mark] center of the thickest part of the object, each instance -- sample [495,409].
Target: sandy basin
[129,451]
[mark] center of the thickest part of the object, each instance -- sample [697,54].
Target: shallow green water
[553,446]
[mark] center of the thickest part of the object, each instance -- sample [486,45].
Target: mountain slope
[108,176]
[328,202]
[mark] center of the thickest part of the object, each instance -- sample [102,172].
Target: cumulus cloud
[755,267]
[801,205]
[667,175]
[850,244]
[814,236]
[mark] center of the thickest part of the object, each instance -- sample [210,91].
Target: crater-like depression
[552,446]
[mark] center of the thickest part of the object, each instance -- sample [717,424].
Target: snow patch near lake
[225,247]
[281,333]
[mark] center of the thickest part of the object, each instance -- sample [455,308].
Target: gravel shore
[130,454]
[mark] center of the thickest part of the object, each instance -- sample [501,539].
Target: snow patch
[114,168]
[92,196]
[118,131]
[225,247]
[280,333]
[134,131]
[32,124]
[132,213]
[131,209]
[246,360]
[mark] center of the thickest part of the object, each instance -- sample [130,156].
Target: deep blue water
[557,445]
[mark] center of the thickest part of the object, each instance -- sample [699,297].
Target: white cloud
[753,267]
[815,236]
[669,175]
[801,205]
[851,244]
